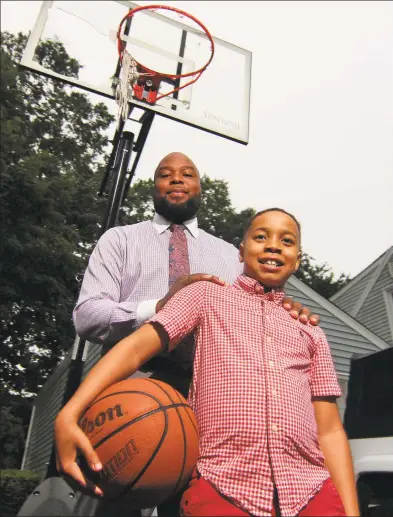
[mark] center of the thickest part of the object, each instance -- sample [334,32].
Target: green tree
[53,148]
[12,438]
[319,277]
[14,422]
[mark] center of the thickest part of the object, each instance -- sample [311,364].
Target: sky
[321,119]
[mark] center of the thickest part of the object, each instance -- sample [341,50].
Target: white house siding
[373,313]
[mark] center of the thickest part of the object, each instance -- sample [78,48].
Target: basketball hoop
[137,80]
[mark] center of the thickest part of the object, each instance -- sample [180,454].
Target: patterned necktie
[179,264]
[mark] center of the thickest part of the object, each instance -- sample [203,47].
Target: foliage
[12,437]
[320,277]
[53,145]
[15,487]
[138,205]
[14,422]
[217,215]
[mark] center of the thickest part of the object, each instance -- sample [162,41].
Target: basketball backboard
[219,102]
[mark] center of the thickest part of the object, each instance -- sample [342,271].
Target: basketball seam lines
[148,463]
[184,435]
[162,408]
[133,391]
[191,420]
[137,419]
[122,393]
[154,454]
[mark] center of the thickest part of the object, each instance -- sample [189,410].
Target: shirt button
[269,339]
[274,393]
[271,363]
[274,427]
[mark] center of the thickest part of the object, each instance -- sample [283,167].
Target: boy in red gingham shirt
[264,391]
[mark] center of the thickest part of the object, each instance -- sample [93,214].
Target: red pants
[201,499]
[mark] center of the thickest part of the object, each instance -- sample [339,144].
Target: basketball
[146,437]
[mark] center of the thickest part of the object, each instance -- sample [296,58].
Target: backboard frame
[217,125]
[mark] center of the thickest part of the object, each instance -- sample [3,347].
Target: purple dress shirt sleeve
[99,316]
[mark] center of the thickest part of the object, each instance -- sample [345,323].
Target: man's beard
[177,213]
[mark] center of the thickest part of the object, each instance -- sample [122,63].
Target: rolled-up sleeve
[323,377]
[183,313]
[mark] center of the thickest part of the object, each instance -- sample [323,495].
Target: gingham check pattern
[129,265]
[255,372]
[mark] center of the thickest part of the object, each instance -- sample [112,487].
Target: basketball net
[124,89]
[126,82]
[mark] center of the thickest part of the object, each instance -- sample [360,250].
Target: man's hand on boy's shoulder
[185,280]
[295,309]
[298,312]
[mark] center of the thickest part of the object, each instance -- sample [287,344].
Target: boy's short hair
[249,222]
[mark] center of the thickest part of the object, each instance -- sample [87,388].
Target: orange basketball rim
[155,76]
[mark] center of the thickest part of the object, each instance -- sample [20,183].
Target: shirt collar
[161,224]
[252,286]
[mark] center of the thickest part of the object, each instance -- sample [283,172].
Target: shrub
[15,487]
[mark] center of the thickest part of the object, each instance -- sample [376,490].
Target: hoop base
[146,87]
[142,94]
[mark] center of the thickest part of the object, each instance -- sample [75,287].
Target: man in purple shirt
[126,281]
